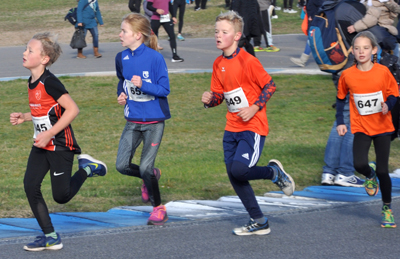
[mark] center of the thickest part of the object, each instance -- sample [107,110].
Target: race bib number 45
[135,94]
[368,103]
[40,124]
[236,99]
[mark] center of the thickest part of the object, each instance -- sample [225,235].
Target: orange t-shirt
[238,78]
[364,87]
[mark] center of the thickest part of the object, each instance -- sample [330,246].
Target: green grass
[191,156]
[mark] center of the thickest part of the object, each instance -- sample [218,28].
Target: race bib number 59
[135,93]
[368,103]
[235,100]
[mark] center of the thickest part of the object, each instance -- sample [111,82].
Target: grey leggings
[132,136]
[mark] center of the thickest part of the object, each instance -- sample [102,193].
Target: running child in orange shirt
[373,91]
[241,80]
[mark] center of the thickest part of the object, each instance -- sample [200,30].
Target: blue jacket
[88,16]
[149,103]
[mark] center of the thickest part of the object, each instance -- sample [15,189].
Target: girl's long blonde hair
[139,23]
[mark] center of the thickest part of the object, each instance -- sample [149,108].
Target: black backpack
[72,15]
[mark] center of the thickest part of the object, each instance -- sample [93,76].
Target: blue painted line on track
[74,222]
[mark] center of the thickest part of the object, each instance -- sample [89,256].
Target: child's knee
[122,168]
[61,198]
[239,171]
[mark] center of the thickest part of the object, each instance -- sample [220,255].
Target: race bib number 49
[368,103]
[135,94]
[236,99]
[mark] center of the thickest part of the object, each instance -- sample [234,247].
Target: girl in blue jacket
[143,89]
[88,15]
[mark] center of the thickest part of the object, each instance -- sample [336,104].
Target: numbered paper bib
[368,103]
[135,94]
[164,18]
[40,124]
[236,99]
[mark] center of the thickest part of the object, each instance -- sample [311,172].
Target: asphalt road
[346,231]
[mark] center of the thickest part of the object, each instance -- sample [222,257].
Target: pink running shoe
[158,216]
[145,192]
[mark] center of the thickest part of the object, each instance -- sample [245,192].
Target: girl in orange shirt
[373,91]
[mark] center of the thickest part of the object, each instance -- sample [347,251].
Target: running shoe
[349,181]
[387,218]
[145,192]
[258,49]
[97,167]
[289,11]
[372,165]
[327,179]
[252,228]
[277,8]
[180,37]
[272,48]
[371,184]
[283,180]
[158,216]
[274,16]
[176,58]
[44,243]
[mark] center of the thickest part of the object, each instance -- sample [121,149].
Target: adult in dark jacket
[250,12]
[88,16]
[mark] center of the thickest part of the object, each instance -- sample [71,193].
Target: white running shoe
[349,181]
[327,179]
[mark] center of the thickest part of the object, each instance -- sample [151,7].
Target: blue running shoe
[180,37]
[44,243]
[283,180]
[96,167]
[252,228]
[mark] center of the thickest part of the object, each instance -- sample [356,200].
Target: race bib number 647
[368,103]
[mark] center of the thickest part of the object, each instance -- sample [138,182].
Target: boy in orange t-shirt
[241,80]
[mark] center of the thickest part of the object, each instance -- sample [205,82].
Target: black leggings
[285,4]
[181,4]
[134,5]
[63,186]
[169,28]
[361,145]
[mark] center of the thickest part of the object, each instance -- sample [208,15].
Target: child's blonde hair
[50,46]
[233,18]
[371,37]
[139,23]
